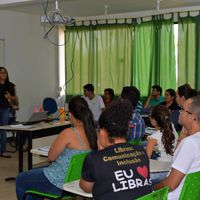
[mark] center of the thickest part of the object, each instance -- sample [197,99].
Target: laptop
[36,117]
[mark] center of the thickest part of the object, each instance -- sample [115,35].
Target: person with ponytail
[81,137]
[161,144]
[163,141]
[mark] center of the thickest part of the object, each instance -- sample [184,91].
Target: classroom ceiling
[83,8]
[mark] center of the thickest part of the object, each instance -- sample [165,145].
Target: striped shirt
[136,127]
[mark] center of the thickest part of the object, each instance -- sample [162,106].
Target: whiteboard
[2,52]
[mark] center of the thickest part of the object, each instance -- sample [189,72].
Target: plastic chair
[191,187]
[136,142]
[156,195]
[50,105]
[73,173]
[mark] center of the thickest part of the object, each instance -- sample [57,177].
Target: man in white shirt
[187,156]
[95,102]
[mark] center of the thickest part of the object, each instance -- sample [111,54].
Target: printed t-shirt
[119,172]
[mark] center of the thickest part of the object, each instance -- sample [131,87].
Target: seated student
[94,101]
[161,144]
[170,100]
[155,98]
[108,96]
[136,124]
[183,93]
[119,170]
[77,139]
[139,105]
[187,155]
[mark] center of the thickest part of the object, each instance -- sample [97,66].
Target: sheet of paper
[21,126]
[45,148]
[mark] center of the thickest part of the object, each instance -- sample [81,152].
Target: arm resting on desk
[86,186]
[172,181]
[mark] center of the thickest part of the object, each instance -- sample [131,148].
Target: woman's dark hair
[171,92]
[130,94]
[7,79]
[186,91]
[80,110]
[110,91]
[115,119]
[161,115]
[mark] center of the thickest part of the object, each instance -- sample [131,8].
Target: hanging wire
[51,20]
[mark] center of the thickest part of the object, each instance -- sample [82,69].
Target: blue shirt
[136,127]
[57,170]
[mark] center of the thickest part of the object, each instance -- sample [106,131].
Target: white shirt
[96,105]
[159,148]
[186,160]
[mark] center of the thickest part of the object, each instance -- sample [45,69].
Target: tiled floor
[8,168]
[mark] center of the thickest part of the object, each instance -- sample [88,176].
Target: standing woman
[7,97]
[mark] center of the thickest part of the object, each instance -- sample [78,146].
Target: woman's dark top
[172,107]
[10,87]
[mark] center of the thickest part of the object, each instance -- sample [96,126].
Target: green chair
[73,173]
[156,195]
[136,142]
[191,187]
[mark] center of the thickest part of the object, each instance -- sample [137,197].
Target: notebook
[36,117]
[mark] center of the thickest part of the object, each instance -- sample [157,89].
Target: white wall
[32,62]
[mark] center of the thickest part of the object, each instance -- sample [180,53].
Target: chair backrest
[75,167]
[156,195]
[136,142]
[191,187]
[50,105]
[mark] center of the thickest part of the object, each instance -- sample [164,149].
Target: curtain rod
[138,14]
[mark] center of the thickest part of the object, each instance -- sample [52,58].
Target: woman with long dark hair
[163,141]
[81,137]
[7,98]
[170,100]
[161,144]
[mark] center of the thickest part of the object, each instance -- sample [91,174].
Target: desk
[74,188]
[149,131]
[159,166]
[155,166]
[41,151]
[33,131]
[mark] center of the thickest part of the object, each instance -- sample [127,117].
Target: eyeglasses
[182,109]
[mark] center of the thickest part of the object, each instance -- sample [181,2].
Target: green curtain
[101,55]
[154,55]
[189,51]
[197,60]
[186,51]
[120,55]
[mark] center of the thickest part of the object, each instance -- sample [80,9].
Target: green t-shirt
[153,102]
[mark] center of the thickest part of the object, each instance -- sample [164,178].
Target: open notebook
[36,117]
